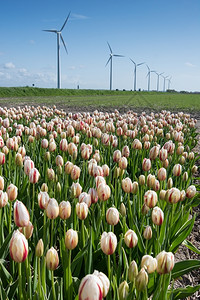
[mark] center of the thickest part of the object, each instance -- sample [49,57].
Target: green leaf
[12,289]
[181,236]
[5,273]
[4,247]
[184,267]
[190,246]
[3,295]
[183,293]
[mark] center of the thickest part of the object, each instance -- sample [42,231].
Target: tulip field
[95,205]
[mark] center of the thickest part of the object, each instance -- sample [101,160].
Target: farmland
[98,191]
[101,98]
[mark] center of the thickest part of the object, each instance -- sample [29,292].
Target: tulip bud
[170,183]
[44,143]
[162,194]
[157,216]
[52,209]
[130,238]
[21,214]
[76,189]
[123,163]
[104,280]
[177,169]
[39,250]
[59,160]
[123,290]
[12,192]
[90,288]
[52,259]
[183,195]
[106,170]
[85,197]
[194,169]
[75,172]
[127,185]
[135,187]
[103,192]
[191,191]
[147,233]
[27,231]
[141,280]
[149,262]
[34,175]
[43,199]
[112,216]
[44,188]
[18,247]
[162,174]
[63,145]
[132,271]
[165,262]
[141,180]
[50,174]
[145,209]
[191,156]
[82,210]
[146,164]
[2,158]
[19,160]
[1,183]
[3,199]
[185,176]
[93,194]
[47,156]
[64,210]
[71,239]
[172,195]
[150,198]
[108,242]
[123,210]
[28,165]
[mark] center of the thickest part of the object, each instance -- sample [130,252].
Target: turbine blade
[63,43]
[50,30]
[108,61]
[148,67]
[161,73]
[118,55]
[109,47]
[140,64]
[65,22]
[133,61]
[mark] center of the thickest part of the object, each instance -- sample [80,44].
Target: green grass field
[100,98]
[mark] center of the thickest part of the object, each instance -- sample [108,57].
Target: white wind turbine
[135,69]
[59,36]
[110,60]
[149,76]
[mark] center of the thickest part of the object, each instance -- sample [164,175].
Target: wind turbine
[158,80]
[165,77]
[169,82]
[59,36]
[136,65]
[110,60]
[149,75]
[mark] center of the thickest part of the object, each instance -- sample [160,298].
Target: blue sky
[163,34]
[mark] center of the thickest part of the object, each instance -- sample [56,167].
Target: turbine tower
[149,76]
[110,60]
[158,79]
[169,82]
[135,68]
[59,36]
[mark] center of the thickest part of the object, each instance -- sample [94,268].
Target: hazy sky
[163,34]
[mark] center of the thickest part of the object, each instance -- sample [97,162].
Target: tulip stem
[10,218]
[20,281]
[109,267]
[33,203]
[53,287]
[39,278]
[83,233]
[52,231]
